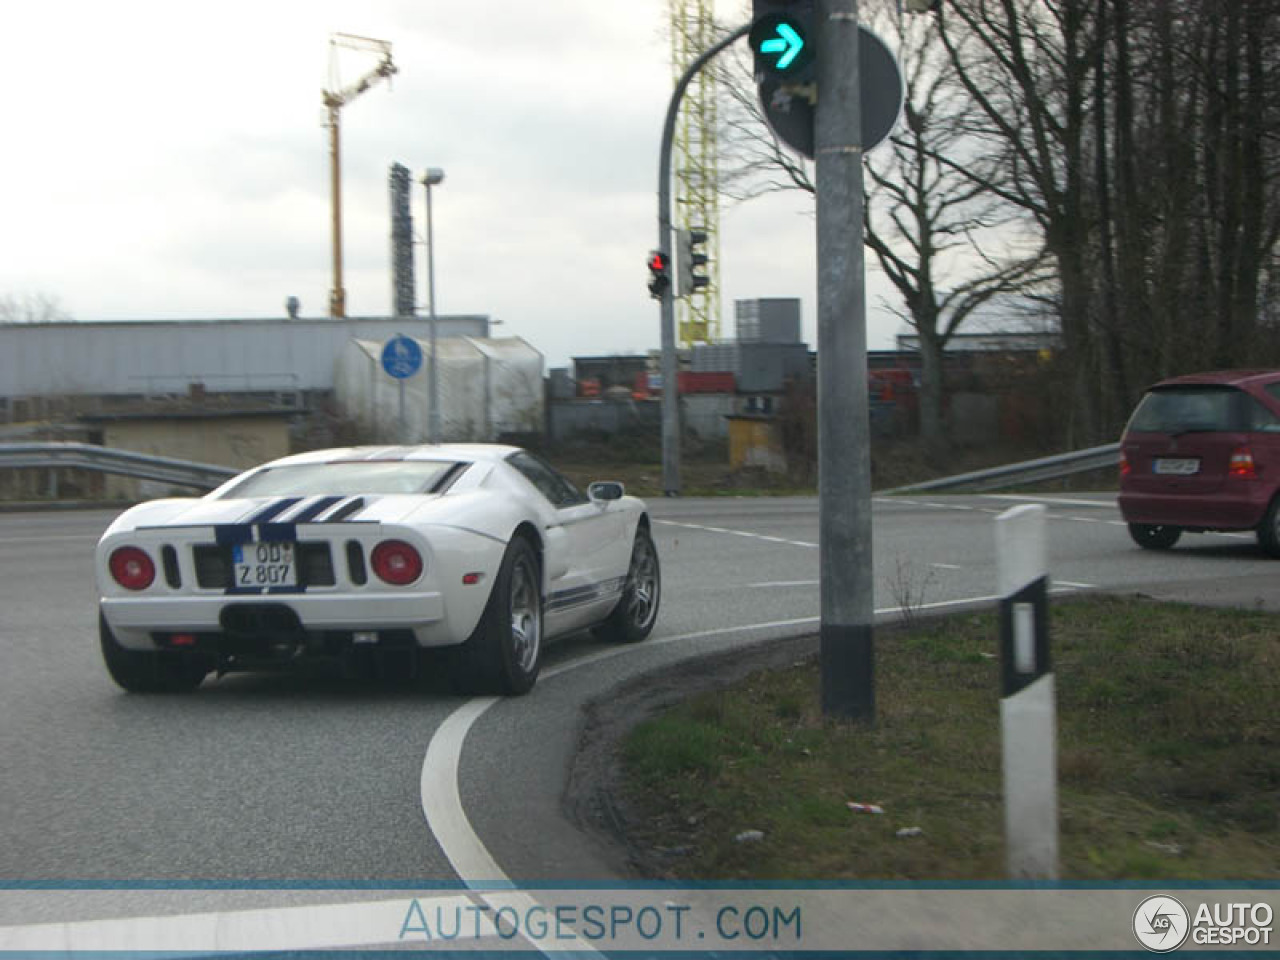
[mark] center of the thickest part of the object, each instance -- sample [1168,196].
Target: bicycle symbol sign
[401,357]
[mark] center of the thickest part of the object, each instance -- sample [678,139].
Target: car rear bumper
[135,621]
[1217,512]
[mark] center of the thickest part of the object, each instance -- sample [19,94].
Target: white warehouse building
[488,387]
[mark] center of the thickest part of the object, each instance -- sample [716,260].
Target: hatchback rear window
[1191,410]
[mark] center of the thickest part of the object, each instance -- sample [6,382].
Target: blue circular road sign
[401,357]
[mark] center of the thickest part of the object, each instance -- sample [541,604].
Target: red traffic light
[659,274]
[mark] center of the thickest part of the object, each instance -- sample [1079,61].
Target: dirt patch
[593,798]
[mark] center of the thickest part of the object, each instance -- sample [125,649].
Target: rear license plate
[264,565]
[1176,468]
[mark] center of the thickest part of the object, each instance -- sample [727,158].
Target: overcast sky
[166,160]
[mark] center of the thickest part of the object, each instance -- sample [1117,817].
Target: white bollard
[1028,722]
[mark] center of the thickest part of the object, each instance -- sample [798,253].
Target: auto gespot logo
[1162,924]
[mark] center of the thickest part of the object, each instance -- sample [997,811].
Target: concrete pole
[844,454]
[431,177]
[433,370]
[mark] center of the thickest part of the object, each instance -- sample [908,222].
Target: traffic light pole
[670,371]
[844,443]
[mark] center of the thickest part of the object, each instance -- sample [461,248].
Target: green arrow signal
[788,42]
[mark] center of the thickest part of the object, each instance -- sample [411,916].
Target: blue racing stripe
[229,534]
[273,510]
[313,511]
[275,532]
[354,505]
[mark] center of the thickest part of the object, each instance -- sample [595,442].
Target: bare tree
[938,234]
[1143,139]
[1026,65]
[31,308]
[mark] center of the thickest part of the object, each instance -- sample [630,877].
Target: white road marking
[739,533]
[52,536]
[786,583]
[1062,501]
[1077,586]
[312,927]
[947,566]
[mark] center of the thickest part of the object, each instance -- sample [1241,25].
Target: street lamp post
[430,178]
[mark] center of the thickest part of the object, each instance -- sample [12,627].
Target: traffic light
[690,258]
[659,274]
[783,39]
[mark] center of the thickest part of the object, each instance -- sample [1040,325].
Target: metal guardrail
[87,456]
[206,476]
[1028,471]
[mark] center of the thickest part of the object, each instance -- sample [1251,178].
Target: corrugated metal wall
[487,388]
[41,360]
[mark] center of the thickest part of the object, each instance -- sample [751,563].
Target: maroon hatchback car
[1202,452]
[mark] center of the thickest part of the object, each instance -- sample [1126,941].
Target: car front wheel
[502,656]
[148,671]
[1151,536]
[633,618]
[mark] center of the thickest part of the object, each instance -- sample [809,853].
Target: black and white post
[1028,721]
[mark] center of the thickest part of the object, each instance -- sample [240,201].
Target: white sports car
[372,555]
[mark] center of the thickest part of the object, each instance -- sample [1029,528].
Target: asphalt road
[306,779]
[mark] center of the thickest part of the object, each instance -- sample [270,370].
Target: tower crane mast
[696,164]
[335,97]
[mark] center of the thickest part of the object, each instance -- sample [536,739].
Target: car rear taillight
[1125,469]
[1242,466]
[396,562]
[132,568]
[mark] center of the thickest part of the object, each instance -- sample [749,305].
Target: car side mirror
[604,490]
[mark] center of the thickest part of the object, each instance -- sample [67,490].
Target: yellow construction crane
[335,98]
[697,165]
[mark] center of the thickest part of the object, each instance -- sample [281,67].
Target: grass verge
[1167,757]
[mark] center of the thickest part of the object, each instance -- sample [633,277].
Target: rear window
[346,478]
[1191,410]
[1202,409]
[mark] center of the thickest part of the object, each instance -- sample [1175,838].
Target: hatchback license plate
[264,565]
[1177,468]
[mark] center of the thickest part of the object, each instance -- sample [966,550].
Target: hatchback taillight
[1125,469]
[132,568]
[396,562]
[1242,466]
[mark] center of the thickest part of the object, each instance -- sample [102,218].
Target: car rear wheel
[633,618]
[504,653]
[148,671]
[1151,536]
[1269,529]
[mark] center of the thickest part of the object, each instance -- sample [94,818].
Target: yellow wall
[755,443]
